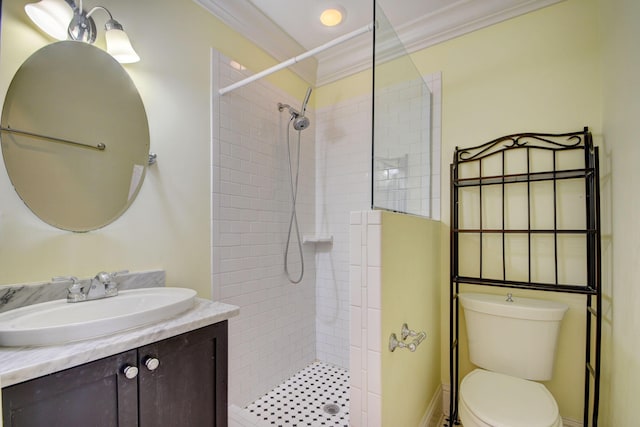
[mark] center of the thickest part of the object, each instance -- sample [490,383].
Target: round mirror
[75,136]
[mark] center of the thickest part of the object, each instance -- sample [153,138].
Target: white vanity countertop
[18,364]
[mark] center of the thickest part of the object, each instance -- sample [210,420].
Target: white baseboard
[566,422]
[433,414]
[446,398]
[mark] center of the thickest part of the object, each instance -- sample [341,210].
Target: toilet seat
[491,399]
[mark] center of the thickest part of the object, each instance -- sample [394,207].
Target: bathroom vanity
[172,373]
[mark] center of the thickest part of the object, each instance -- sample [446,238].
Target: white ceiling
[287,28]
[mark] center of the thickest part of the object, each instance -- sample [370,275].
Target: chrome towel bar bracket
[406,333]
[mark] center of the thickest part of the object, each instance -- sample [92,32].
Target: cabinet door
[189,385]
[96,394]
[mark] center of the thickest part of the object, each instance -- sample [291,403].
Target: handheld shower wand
[306,101]
[298,121]
[302,122]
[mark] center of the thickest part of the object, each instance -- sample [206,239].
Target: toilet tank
[515,337]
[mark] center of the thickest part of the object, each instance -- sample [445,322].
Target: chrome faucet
[103,285]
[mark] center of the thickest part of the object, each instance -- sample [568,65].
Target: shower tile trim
[366,345]
[434,83]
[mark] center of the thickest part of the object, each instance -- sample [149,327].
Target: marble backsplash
[15,296]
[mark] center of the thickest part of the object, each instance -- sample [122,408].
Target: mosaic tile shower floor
[301,400]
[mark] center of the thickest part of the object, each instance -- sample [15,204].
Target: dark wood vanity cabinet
[94,394]
[181,381]
[189,387]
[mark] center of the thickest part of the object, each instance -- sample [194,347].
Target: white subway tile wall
[343,184]
[402,162]
[274,335]
[407,177]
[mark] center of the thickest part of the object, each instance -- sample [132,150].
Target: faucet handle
[112,277]
[74,292]
[109,280]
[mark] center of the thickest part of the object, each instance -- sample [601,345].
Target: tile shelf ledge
[317,238]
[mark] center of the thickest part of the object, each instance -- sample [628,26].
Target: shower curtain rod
[296,59]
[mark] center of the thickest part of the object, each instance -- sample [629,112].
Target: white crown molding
[344,60]
[462,18]
[243,17]
[457,19]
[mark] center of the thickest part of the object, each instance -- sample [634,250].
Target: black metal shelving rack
[497,151]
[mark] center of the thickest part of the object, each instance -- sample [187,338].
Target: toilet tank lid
[519,308]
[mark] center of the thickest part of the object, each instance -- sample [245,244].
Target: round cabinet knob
[152,363]
[130,372]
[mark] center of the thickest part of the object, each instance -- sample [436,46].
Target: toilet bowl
[491,399]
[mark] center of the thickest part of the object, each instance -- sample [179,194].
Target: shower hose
[293,220]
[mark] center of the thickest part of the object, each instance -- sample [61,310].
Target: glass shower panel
[401,178]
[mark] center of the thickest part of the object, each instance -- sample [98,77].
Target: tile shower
[274,336]
[283,328]
[277,333]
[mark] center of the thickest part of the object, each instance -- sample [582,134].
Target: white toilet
[513,341]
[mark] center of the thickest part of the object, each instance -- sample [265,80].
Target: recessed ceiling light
[332,16]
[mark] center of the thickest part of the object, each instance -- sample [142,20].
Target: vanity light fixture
[64,19]
[332,16]
[51,16]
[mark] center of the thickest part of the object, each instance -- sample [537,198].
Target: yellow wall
[538,72]
[343,89]
[167,227]
[410,294]
[620,181]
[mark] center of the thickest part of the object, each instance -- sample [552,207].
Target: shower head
[301,123]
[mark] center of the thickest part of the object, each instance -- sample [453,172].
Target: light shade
[51,16]
[119,46]
[331,17]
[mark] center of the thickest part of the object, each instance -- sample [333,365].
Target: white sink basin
[59,322]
